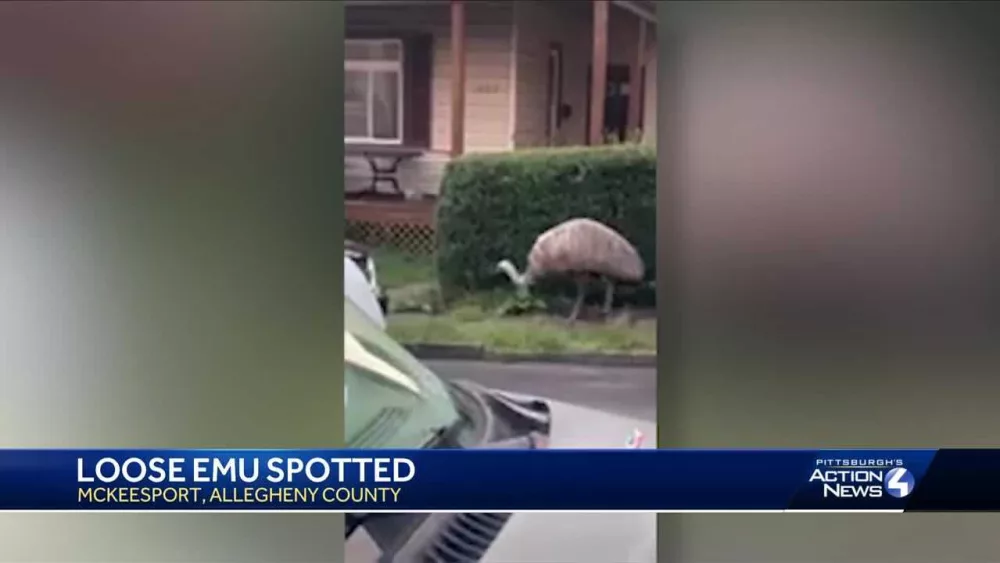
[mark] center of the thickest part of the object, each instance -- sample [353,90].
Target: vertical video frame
[499,257]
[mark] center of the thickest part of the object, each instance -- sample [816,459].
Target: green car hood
[390,399]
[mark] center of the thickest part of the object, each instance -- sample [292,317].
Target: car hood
[582,537]
[561,537]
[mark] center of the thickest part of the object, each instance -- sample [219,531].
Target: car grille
[466,538]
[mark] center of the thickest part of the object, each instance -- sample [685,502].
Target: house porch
[487,76]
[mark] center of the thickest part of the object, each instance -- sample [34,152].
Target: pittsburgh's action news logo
[863,478]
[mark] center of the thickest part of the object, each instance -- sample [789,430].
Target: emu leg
[580,294]
[609,295]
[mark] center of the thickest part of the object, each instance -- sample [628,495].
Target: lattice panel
[410,238]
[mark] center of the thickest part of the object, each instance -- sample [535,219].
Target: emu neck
[520,280]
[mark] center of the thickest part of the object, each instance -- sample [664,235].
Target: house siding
[506,76]
[488,90]
[539,25]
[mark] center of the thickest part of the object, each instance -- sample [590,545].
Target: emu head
[519,280]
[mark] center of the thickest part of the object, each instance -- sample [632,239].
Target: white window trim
[369,66]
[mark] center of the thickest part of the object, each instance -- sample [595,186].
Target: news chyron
[278,482]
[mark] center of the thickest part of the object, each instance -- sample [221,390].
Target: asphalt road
[629,391]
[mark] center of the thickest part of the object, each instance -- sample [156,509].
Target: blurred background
[169,254]
[828,211]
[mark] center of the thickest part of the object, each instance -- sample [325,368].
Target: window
[373,91]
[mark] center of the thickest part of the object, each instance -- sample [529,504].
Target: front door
[555,114]
[616,101]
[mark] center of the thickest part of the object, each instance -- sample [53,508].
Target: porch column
[635,81]
[599,72]
[457,77]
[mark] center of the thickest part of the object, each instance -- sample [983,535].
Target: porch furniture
[376,157]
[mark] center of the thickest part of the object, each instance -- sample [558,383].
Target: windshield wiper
[446,437]
[500,422]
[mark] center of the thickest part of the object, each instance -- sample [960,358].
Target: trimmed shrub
[494,206]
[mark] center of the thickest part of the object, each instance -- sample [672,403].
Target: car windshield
[391,400]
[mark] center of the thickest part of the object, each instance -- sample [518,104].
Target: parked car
[362,256]
[395,401]
[357,283]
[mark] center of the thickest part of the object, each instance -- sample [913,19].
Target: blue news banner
[499,480]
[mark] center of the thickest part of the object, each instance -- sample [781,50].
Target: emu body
[578,248]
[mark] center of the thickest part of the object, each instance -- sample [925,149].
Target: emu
[579,247]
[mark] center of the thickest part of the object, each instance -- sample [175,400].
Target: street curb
[477,353]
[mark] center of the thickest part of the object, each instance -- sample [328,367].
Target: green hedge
[494,206]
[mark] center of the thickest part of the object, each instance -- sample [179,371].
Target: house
[445,77]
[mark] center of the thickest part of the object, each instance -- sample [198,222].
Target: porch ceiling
[389,3]
[646,9]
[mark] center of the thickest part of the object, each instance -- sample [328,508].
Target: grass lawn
[411,285]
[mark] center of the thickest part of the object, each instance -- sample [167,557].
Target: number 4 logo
[899,482]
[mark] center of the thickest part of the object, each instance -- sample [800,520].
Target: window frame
[369,67]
